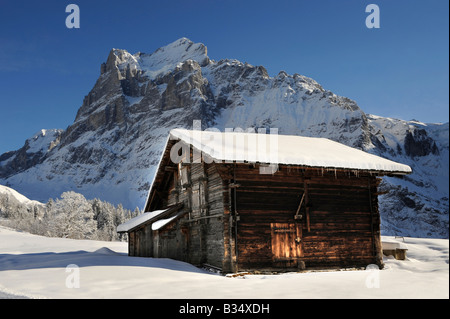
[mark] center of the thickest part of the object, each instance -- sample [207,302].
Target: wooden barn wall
[197,237]
[339,225]
[140,242]
[170,242]
[214,226]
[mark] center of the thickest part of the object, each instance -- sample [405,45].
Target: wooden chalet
[247,201]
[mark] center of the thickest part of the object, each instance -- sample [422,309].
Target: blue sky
[399,70]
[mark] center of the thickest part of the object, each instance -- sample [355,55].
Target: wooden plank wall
[140,242]
[198,237]
[170,242]
[339,227]
[341,224]
[214,251]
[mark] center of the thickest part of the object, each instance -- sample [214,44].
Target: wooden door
[286,243]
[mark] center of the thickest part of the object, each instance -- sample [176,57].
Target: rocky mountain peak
[179,51]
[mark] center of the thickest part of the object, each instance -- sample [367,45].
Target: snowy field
[39,267]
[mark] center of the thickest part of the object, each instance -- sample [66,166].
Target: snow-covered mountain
[112,148]
[15,205]
[11,195]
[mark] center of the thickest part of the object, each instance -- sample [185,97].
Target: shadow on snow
[81,258]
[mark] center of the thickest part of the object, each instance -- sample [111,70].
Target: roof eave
[169,211]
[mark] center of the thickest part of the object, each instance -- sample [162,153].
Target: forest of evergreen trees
[70,216]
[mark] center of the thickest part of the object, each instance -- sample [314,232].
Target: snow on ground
[38,267]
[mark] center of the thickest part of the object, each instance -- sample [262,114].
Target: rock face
[418,143]
[32,153]
[113,147]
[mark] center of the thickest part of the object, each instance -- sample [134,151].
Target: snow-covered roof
[392,244]
[284,149]
[163,222]
[138,220]
[158,218]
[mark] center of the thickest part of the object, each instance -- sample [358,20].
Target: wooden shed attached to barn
[248,201]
